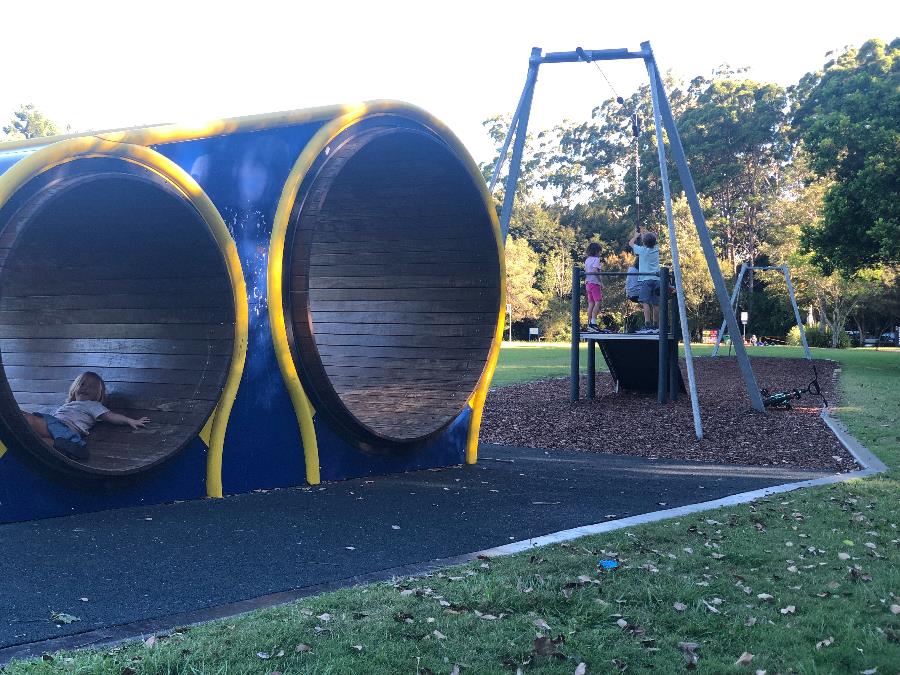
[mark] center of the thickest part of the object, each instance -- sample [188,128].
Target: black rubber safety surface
[137,564]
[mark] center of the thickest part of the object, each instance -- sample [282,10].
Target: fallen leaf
[302,649]
[679,606]
[455,670]
[717,556]
[827,642]
[63,618]
[744,659]
[325,617]
[895,609]
[150,641]
[540,623]
[689,651]
[580,670]
[544,646]
[358,648]
[622,623]
[765,597]
[264,655]
[843,556]
[790,609]
[439,635]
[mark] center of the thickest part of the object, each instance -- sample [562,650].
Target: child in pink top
[593,285]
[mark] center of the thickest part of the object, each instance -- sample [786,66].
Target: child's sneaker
[71,449]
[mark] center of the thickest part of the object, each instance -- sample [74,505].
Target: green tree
[848,118]
[29,122]
[734,139]
[521,271]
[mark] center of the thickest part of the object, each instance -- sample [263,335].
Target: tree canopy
[804,175]
[848,118]
[29,122]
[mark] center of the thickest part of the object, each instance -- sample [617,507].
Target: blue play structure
[290,298]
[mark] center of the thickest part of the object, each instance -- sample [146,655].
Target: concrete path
[178,562]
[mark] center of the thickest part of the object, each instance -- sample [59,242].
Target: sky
[96,65]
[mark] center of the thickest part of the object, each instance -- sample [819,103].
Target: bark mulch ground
[539,415]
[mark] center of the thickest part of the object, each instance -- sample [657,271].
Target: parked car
[888,339]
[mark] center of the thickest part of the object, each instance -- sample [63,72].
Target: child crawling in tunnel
[67,428]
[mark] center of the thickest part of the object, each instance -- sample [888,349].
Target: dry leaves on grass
[689,651]
[827,642]
[545,646]
[744,659]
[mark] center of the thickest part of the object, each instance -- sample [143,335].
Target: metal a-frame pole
[519,127]
[684,173]
[735,294]
[790,287]
[673,245]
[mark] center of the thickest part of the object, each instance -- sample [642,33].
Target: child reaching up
[644,246]
[67,428]
[593,285]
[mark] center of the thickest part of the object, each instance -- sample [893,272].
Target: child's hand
[139,424]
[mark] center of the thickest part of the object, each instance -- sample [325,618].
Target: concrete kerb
[117,634]
[863,456]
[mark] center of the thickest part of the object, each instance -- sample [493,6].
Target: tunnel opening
[106,266]
[391,284]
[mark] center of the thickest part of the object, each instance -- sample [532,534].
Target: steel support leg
[735,294]
[673,244]
[521,131]
[591,369]
[687,181]
[574,366]
[790,287]
[662,393]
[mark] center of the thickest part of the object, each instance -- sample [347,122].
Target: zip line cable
[635,130]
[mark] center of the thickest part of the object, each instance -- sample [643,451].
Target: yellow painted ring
[317,144]
[85,147]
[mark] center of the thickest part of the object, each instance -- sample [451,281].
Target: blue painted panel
[340,460]
[26,494]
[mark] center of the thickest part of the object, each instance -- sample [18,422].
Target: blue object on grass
[608,564]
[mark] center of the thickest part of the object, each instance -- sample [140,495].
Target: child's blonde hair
[85,380]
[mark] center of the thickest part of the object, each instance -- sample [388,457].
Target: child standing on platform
[593,285]
[644,246]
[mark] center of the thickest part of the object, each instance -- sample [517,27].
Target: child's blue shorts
[59,429]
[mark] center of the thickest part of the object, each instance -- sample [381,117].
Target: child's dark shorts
[61,430]
[649,292]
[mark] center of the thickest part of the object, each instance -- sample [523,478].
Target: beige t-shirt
[80,415]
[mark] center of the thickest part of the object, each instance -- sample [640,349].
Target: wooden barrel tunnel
[107,266]
[391,283]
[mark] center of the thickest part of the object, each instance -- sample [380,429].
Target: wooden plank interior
[115,273]
[393,284]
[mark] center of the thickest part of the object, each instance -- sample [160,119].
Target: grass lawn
[806,582]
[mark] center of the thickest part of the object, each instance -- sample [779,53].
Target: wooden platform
[654,337]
